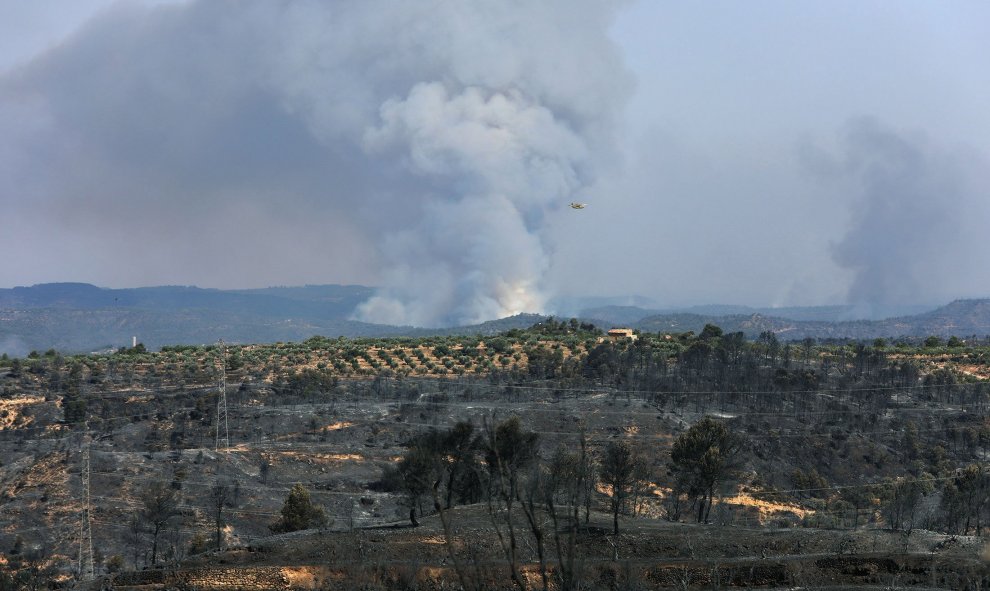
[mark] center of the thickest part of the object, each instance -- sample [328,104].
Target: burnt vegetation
[553,457]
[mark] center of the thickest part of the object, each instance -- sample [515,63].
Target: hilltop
[78,317]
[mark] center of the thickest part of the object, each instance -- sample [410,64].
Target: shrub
[299,512]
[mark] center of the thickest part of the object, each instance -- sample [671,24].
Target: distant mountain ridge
[79,317]
[835,313]
[959,318]
[318,301]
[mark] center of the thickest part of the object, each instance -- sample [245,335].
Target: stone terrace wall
[242,579]
[208,579]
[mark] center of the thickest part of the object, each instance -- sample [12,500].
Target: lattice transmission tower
[223,435]
[86,570]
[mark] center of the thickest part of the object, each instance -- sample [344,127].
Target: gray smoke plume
[425,140]
[472,257]
[916,218]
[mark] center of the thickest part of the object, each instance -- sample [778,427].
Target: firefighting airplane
[578,205]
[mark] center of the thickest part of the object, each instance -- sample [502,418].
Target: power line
[221,410]
[618,391]
[528,407]
[281,410]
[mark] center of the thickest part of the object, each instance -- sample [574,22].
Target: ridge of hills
[84,317]
[833,313]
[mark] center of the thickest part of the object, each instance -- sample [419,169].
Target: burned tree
[621,471]
[159,511]
[508,452]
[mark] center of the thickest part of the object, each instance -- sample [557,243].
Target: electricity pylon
[223,435]
[86,570]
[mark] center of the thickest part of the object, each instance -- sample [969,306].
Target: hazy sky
[764,153]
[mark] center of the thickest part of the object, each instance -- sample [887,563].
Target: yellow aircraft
[578,205]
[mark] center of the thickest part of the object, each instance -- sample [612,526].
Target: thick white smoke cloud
[500,110]
[438,134]
[502,159]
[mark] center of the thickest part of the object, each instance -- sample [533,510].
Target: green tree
[298,512]
[16,368]
[544,362]
[770,345]
[703,457]
[710,332]
[73,408]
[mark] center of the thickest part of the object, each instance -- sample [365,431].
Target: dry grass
[319,458]
[12,411]
[309,577]
[981,372]
[767,509]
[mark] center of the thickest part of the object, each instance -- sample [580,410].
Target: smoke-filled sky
[763,153]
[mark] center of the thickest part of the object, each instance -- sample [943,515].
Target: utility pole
[223,435]
[86,570]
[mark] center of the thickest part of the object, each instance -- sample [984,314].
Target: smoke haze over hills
[759,154]
[442,133]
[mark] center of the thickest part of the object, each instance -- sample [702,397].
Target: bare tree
[901,498]
[221,497]
[468,582]
[566,484]
[508,451]
[621,470]
[531,499]
[965,497]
